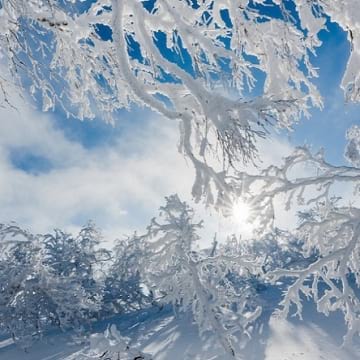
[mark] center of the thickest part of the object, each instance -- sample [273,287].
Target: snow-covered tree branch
[333,280]
[303,179]
[191,61]
[329,227]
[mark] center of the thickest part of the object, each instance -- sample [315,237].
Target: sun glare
[241,213]
[240,219]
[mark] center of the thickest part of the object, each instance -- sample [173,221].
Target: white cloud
[119,186]
[119,192]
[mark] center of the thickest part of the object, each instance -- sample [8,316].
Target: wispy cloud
[118,191]
[50,179]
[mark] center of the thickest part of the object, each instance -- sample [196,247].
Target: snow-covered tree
[193,281]
[332,281]
[46,282]
[25,306]
[77,258]
[192,61]
[352,151]
[123,288]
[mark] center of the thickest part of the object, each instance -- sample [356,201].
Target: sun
[240,222]
[237,220]
[241,212]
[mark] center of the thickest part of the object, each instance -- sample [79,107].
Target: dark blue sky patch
[193,3]
[26,160]
[149,5]
[224,13]
[104,31]
[134,50]
[270,8]
[179,56]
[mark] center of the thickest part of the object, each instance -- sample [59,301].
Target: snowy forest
[279,278]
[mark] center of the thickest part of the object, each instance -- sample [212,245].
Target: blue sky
[326,128]
[58,172]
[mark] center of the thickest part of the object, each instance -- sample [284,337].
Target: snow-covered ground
[164,336]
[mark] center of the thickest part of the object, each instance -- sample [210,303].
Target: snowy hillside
[159,335]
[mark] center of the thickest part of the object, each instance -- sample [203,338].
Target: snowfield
[160,335]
